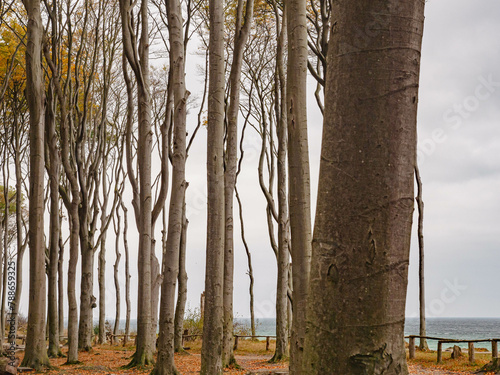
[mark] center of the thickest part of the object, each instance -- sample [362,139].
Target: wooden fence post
[411,349]
[235,342]
[440,351]
[268,339]
[471,352]
[494,349]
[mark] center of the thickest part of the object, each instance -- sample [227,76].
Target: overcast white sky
[459,155]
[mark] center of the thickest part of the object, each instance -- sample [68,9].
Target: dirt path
[256,364]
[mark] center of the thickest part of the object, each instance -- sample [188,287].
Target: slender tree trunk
[86,325]
[55,230]
[283,258]
[73,262]
[180,307]
[156,281]
[242,30]
[72,205]
[21,243]
[298,164]
[102,260]
[211,352]
[36,351]
[5,238]
[249,260]
[138,58]
[116,327]
[421,273]
[127,275]
[60,283]
[165,363]
[356,306]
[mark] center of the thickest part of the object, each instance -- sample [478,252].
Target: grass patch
[245,346]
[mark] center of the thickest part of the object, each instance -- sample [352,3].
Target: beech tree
[36,352]
[356,305]
[421,256]
[211,350]
[298,175]
[243,23]
[136,52]
[165,363]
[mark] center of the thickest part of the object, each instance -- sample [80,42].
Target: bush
[193,321]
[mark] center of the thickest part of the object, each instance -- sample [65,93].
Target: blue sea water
[451,328]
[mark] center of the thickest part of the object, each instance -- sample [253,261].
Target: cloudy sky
[459,157]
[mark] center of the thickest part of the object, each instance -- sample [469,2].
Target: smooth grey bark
[102,257]
[54,166]
[244,16]
[242,231]
[20,224]
[36,351]
[5,237]
[116,273]
[138,59]
[72,202]
[165,360]
[72,208]
[180,307]
[60,284]
[421,274]
[127,275]
[356,305]
[299,180]
[85,326]
[211,350]
[283,255]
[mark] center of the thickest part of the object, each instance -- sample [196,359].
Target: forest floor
[251,357]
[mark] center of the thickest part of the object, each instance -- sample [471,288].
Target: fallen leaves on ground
[110,361]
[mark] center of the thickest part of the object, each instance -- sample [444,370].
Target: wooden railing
[268,340]
[441,341]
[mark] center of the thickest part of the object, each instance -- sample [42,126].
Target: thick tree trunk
[165,363]
[298,164]
[55,230]
[180,307]
[211,351]
[242,29]
[36,351]
[356,306]
[421,274]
